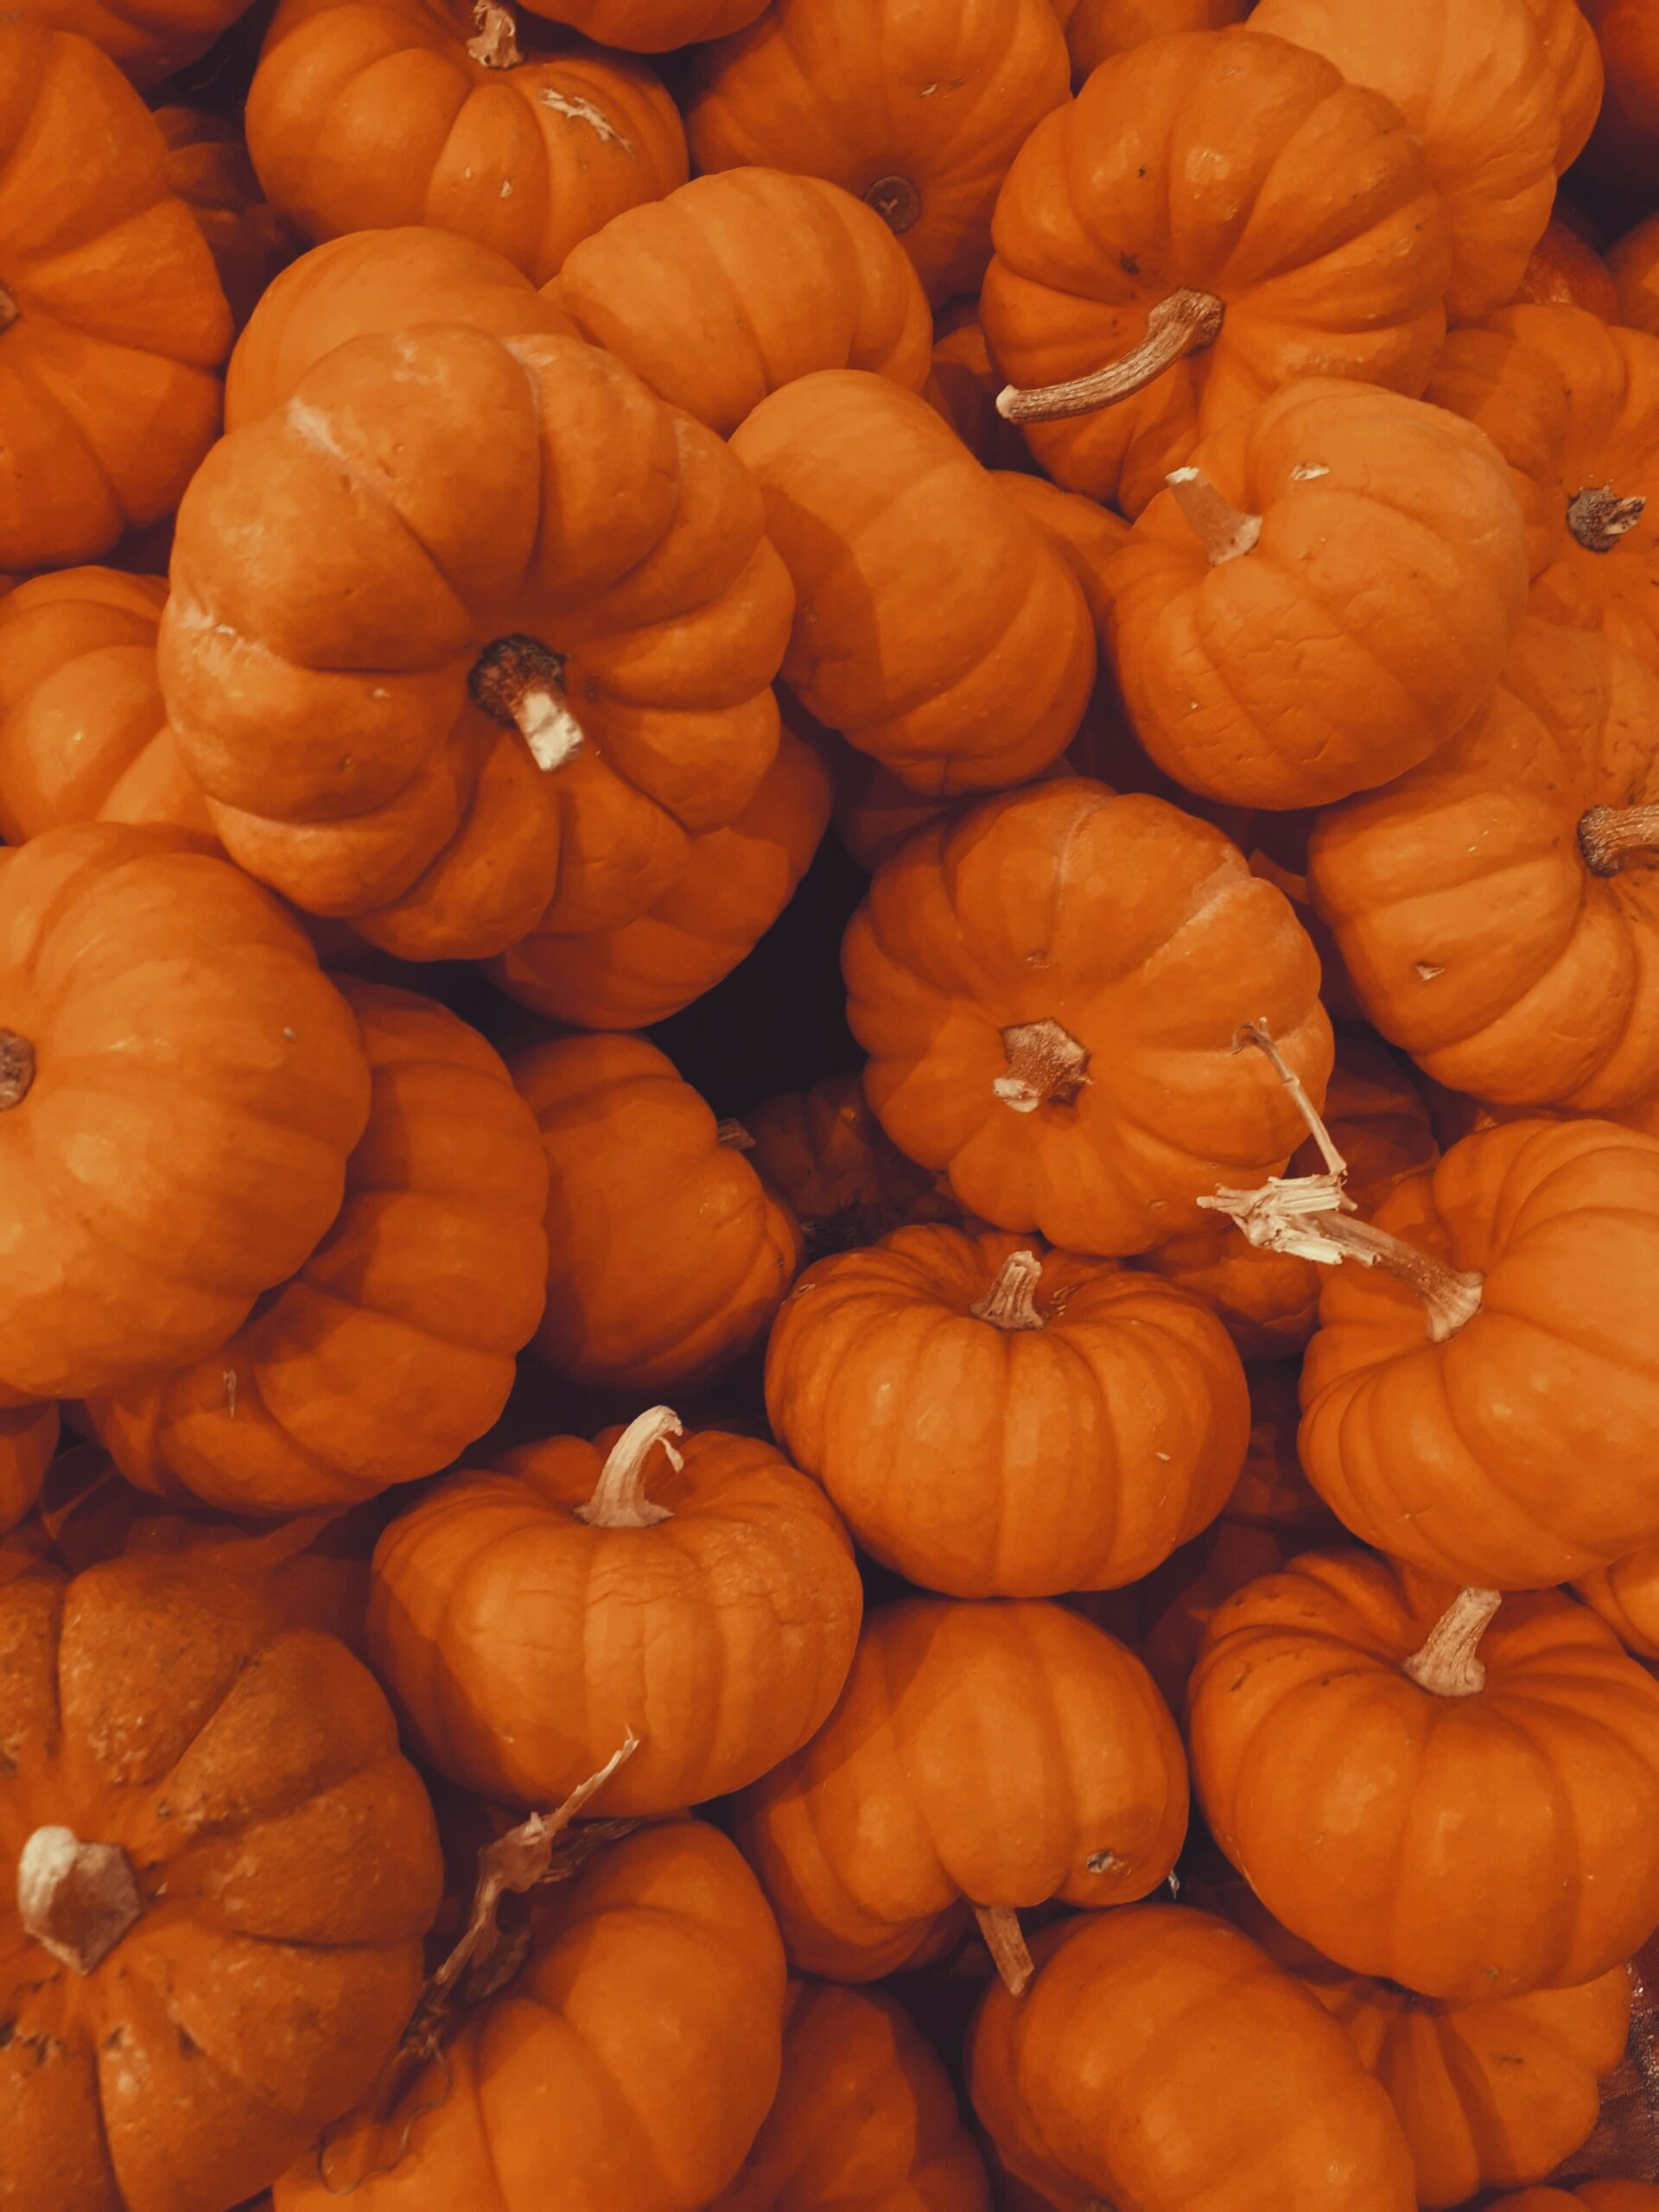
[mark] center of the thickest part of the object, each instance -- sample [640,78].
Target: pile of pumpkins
[1063,1614]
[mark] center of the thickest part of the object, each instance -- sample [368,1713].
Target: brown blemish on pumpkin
[16,1068]
[1597,518]
[1046,1067]
[519,683]
[1607,833]
[896,200]
[1186,322]
[10,310]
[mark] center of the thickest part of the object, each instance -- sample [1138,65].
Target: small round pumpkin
[995,1421]
[1002,1754]
[847,1183]
[530,1620]
[209,168]
[1565,270]
[1483,1777]
[667,1254]
[28,1437]
[1626,1595]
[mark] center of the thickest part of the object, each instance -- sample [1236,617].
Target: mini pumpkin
[1002,1754]
[28,1437]
[217,1872]
[1626,1595]
[112,320]
[1140,298]
[1473,1845]
[996,1422]
[1049,989]
[180,1087]
[1573,54]
[1565,270]
[367,114]
[700,1597]
[846,1181]
[667,1254]
[450,719]
[207,167]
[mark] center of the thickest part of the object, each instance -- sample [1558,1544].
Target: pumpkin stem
[1597,518]
[10,310]
[495,43]
[16,1068]
[1005,1940]
[734,1137]
[1308,1216]
[76,1899]
[1447,1665]
[1008,1303]
[1045,1064]
[1186,322]
[1607,833]
[619,1500]
[1223,530]
[519,682]
[896,200]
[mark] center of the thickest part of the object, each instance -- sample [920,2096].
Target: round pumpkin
[1049,989]
[1573,55]
[113,319]
[866,2118]
[530,1620]
[1167,294]
[1272,1491]
[847,1183]
[916,106]
[633,2054]
[740,283]
[936,627]
[995,1421]
[209,168]
[1096,29]
[1161,2059]
[1483,1777]
[180,1087]
[1633,263]
[1565,270]
[28,1437]
[149,39]
[217,1872]
[652,26]
[450,717]
[667,1254]
[465,114]
[1002,1754]
[1174,1607]
[1387,529]
[1626,1595]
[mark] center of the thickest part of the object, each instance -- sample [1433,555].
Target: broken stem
[1447,1664]
[495,42]
[1008,1304]
[1597,518]
[1005,1940]
[1607,833]
[1222,530]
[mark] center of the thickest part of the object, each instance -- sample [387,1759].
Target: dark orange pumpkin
[1096,29]
[1565,270]
[207,167]
[151,39]
[846,1181]
[652,26]
[1633,263]
[28,1437]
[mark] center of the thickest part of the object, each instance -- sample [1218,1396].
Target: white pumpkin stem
[733,1136]
[1221,528]
[76,1900]
[1184,323]
[1447,1665]
[619,1500]
[1046,1065]
[1310,1217]
[495,42]
[1607,833]
[1597,518]
[1006,1941]
[1009,1303]
[519,682]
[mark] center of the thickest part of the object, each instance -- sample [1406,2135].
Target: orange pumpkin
[1272,1491]
[667,1254]
[151,39]
[652,26]
[1002,1754]
[217,1871]
[1624,145]
[1565,270]
[1633,263]
[916,106]
[1160,2060]
[866,2118]
[1497,910]
[640,2028]
[962,384]
[28,1437]
[935,627]
[1049,989]
[1483,1777]
[997,1423]
[1096,29]
[112,317]
[450,718]
[367,114]
[1626,1595]
[530,1620]
[207,167]
[1140,298]
[740,283]
[1485,93]
[847,1183]
[392,1348]
[1174,1606]
[180,1087]
[1573,54]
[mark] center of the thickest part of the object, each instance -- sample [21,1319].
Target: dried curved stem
[1446,1665]
[1046,1065]
[1005,1940]
[1222,530]
[1009,1303]
[495,42]
[1607,833]
[1184,323]
[74,1899]
[619,1500]
[1597,518]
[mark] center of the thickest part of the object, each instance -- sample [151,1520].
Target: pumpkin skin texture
[112,317]
[392,1348]
[369,114]
[644,2030]
[1096,29]
[1633,263]
[1565,270]
[709,1608]
[148,39]
[736,881]
[652,26]
[1626,1595]
[1479,89]
[208,168]
[196,1086]
[1573,54]
[1475,915]
[604,593]
[1108,210]
[667,1254]
[741,281]
[1389,531]
[1490,1838]
[847,1183]
[1000,1426]
[284,1865]
[935,627]
[1094,2083]
[961,84]
[1138,932]
[866,2118]
[28,1437]
[979,1751]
